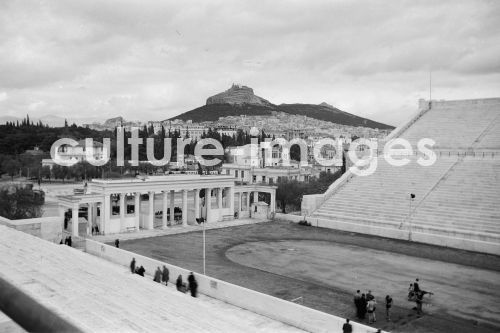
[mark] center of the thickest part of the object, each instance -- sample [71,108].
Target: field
[323,268]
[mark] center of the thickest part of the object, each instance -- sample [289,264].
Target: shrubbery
[20,203]
[290,192]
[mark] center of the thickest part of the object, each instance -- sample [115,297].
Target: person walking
[165,275]
[157,277]
[347,328]
[132,266]
[117,243]
[388,305]
[193,285]
[70,241]
[370,308]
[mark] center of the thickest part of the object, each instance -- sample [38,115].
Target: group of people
[192,285]
[163,275]
[135,269]
[366,304]
[67,241]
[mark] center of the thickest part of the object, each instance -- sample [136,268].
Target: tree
[20,203]
[11,167]
[288,192]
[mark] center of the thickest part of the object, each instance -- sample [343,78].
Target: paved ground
[325,267]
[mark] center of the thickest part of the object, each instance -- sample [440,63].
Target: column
[172,206]
[165,208]
[238,206]
[137,210]
[151,215]
[230,197]
[184,207]
[208,203]
[255,196]
[273,202]
[219,197]
[122,208]
[219,203]
[74,220]
[106,213]
[196,203]
[248,201]
[90,218]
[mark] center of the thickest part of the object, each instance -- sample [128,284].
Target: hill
[328,113]
[240,100]
[238,95]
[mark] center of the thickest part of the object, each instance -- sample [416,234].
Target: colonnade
[121,212]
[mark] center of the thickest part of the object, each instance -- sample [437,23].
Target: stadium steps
[467,199]
[100,296]
[470,122]
[458,198]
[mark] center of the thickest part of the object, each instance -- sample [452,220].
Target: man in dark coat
[357,304]
[117,243]
[70,241]
[165,275]
[132,266]
[362,307]
[347,328]
[193,285]
[141,271]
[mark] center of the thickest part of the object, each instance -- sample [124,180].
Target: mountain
[240,100]
[238,95]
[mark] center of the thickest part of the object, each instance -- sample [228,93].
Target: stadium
[437,223]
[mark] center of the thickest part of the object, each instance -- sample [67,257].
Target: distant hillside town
[239,109]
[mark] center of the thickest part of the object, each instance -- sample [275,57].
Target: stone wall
[48,228]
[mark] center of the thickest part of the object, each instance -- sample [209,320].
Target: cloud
[154,59]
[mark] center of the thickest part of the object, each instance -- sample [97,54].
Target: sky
[151,60]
